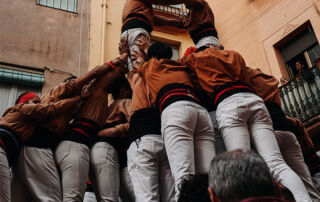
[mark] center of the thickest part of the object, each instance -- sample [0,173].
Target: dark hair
[160,51]
[194,188]
[70,78]
[238,175]
[19,97]
[118,84]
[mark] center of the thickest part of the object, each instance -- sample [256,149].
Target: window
[66,5]
[14,81]
[303,48]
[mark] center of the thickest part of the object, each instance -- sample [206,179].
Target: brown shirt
[120,111]
[200,13]
[138,7]
[141,96]
[96,105]
[159,73]
[23,118]
[64,90]
[215,68]
[266,86]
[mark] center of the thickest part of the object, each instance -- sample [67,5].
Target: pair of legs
[5,194]
[109,182]
[243,116]
[37,171]
[149,170]
[189,140]
[73,160]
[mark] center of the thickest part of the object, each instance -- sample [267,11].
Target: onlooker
[303,71]
[239,175]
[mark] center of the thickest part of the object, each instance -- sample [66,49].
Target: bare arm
[118,131]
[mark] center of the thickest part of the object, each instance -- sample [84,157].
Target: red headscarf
[26,97]
[190,50]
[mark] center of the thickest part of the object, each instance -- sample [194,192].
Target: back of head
[194,189]
[159,51]
[121,88]
[238,175]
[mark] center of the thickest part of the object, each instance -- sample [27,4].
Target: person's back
[238,175]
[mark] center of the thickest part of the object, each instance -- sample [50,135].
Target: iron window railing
[301,98]
[66,5]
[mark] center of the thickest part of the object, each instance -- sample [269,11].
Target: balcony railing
[174,9]
[301,97]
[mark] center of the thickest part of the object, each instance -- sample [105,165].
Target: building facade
[274,36]
[42,42]
[271,35]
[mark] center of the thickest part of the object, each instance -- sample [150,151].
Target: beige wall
[251,27]
[254,27]
[113,24]
[40,36]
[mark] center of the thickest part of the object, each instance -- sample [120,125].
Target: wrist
[111,64]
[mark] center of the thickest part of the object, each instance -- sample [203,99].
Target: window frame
[38,2]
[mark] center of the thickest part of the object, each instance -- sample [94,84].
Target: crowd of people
[177,130]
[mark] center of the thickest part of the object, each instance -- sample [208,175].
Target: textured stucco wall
[41,36]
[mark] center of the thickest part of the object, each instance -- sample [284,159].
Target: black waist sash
[82,131]
[175,92]
[230,89]
[43,138]
[10,144]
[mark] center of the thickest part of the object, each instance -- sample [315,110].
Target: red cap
[26,97]
[190,50]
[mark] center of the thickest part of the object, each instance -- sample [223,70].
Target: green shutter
[9,75]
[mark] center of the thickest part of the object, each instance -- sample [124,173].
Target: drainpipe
[103,37]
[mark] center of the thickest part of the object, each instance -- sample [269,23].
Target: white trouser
[126,186]
[189,140]
[244,115]
[131,36]
[219,143]
[73,160]
[4,177]
[105,171]
[149,170]
[291,151]
[292,154]
[38,171]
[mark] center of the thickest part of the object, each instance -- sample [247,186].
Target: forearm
[66,104]
[97,72]
[122,129]
[109,132]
